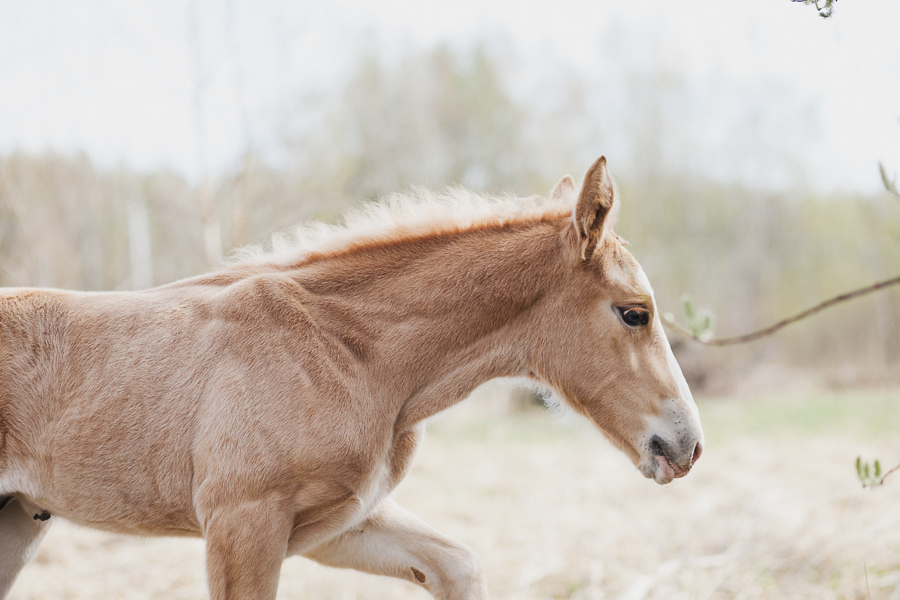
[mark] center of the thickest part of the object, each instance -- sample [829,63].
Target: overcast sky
[120,80]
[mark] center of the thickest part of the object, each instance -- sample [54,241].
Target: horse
[272,406]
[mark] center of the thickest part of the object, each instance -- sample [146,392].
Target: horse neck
[432,318]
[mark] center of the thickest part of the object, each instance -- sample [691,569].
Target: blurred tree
[427,118]
[65,223]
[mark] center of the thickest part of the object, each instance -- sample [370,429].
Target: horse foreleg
[393,542]
[245,546]
[20,536]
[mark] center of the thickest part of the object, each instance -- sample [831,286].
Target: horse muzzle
[668,461]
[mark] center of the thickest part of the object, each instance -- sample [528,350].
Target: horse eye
[635,317]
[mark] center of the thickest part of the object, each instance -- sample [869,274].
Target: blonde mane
[398,217]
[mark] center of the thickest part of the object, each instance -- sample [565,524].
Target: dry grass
[773,510]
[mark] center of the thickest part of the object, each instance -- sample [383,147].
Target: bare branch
[897,468]
[761,333]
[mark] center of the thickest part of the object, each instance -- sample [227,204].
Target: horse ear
[594,206]
[564,190]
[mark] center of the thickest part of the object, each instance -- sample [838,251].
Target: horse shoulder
[332,435]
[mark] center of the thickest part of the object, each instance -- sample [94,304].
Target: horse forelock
[398,217]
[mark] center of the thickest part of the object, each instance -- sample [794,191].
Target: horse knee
[470,575]
[457,575]
[20,536]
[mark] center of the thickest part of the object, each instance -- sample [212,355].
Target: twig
[752,337]
[889,184]
[866,569]
[883,477]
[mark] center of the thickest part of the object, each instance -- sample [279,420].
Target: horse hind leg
[20,536]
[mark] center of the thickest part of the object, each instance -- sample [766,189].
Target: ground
[772,510]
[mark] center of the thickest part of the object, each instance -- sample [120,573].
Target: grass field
[772,510]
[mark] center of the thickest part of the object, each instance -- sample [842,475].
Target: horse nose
[698,450]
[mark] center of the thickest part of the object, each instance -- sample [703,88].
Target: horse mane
[399,217]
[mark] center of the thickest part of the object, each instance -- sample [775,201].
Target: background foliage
[465,116]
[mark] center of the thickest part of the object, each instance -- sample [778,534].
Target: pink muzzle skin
[671,471]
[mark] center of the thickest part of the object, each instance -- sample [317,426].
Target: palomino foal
[272,407]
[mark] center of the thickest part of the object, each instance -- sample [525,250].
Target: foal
[271,407]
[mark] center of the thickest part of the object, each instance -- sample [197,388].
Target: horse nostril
[698,450]
[656,448]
